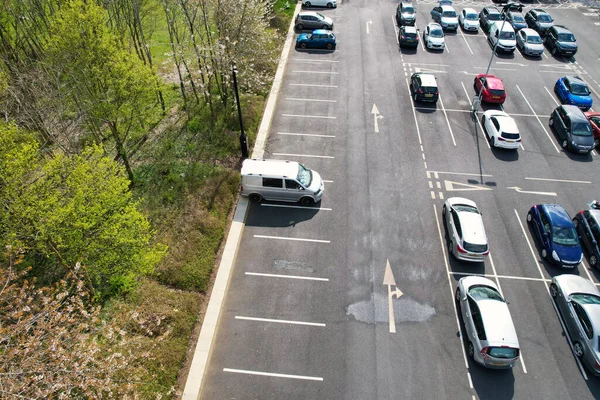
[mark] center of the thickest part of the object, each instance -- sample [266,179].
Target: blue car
[557,234]
[318,39]
[573,90]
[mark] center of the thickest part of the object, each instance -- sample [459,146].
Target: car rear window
[475,248]
[518,18]
[410,35]
[503,352]
[408,10]
[496,92]
[508,135]
[579,90]
[429,89]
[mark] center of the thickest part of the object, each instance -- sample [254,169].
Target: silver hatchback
[467,239]
[312,20]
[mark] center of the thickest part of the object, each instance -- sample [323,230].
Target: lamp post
[243,137]
[511,6]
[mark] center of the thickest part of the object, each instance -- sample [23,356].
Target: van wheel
[471,350]
[307,201]
[578,348]
[255,198]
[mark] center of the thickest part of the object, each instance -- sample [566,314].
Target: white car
[434,36]
[467,239]
[501,129]
[319,3]
[446,17]
[530,42]
[469,20]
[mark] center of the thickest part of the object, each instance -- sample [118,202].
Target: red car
[493,88]
[594,118]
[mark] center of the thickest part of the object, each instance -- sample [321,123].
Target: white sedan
[501,129]
[434,36]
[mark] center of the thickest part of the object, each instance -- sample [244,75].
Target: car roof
[472,227]
[557,214]
[574,113]
[497,322]
[529,32]
[492,10]
[434,25]
[593,311]
[503,26]
[561,29]
[469,10]
[507,124]
[313,13]
[409,29]
[595,214]
[575,284]
[493,82]
[574,79]
[427,80]
[270,167]
[447,7]
[321,31]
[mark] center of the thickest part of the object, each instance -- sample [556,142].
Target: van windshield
[304,175]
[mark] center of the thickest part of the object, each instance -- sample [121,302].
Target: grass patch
[284,12]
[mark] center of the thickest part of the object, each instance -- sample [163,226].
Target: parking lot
[307,315]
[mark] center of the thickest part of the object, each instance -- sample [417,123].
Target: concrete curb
[193,384]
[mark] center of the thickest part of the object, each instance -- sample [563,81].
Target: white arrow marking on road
[369,22]
[376,116]
[388,279]
[518,189]
[451,187]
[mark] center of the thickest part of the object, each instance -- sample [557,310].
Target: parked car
[469,20]
[573,90]
[539,20]
[446,17]
[572,128]
[578,301]
[501,37]
[312,20]
[405,14]
[588,226]
[488,16]
[467,238]
[490,331]
[501,129]
[423,87]
[594,118]
[320,38]
[408,36]
[491,87]
[561,41]
[433,36]
[516,20]
[557,235]
[320,3]
[530,42]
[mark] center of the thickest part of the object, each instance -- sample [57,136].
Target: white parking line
[279,321]
[551,96]
[533,254]
[308,278]
[465,39]
[326,181]
[316,72]
[314,61]
[302,377]
[519,278]
[300,207]
[305,134]
[395,31]
[414,113]
[436,173]
[301,155]
[308,116]
[447,120]
[291,239]
[556,180]
[478,121]
[315,100]
[311,85]
[538,118]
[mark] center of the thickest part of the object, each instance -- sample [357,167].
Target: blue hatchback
[557,234]
[573,90]
[318,39]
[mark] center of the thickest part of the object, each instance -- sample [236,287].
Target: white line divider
[312,85]
[557,180]
[279,321]
[308,278]
[314,60]
[305,134]
[300,207]
[317,72]
[245,371]
[315,100]
[292,239]
[538,118]
[301,155]
[308,116]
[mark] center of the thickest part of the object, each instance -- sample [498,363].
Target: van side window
[291,184]
[273,182]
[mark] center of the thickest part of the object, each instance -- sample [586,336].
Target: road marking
[447,120]
[396,30]
[556,180]
[315,100]
[519,190]
[533,254]
[279,321]
[311,85]
[465,39]
[317,72]
[291,239]
[301,155]
[308,278]
[412,104]
[551,96]
[434,65]
[326,181]
[302,377]
[305,134]
[542,125]
[452,187]
[376,116]
[435,173]
[429,71]
[300,207]
[587,272]
[511,63]
[369,22]
[477,119]
[469,111]
[315,60]
[308,116]
[388,279]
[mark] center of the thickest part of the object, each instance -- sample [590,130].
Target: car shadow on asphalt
[425,108]
[279,214]
[408,50]
[315,51]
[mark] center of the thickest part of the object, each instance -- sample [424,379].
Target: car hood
[302,36]
[583,140]
[316,183]
[535,46]
[470,22]
[507,42]
[575,284]
[435,40]
[407,15]
[581,100]
[568,254]
[568,45]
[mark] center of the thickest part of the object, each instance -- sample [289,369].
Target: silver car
[578,301]
[467,239]
[491,336]
[530,42]
[312,20]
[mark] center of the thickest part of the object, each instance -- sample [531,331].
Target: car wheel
[556,88]
[551,122]
[444,210]
[544,254]
[329,46]
[471,350]
[324,27]
[300,27]
[307,4]
[329,5]
[593,260]
[564,144]
[553,290]
[451,247]
[415,97]
[597,142]
[553,51]
[575,222]
[255,198]
[457,296]
[307,201]
[578,349]
[529,217]
[303,45]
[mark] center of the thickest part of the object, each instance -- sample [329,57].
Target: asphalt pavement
[307,313]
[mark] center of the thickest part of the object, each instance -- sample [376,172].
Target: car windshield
[564,235]
[507,35]
[408,10]
[544,18]
[579,90]
[585,298]
[566,37]
[481,292]
[582,129]
[449,14]
[494,17]
[465,208]
[472,17]
[534,39]
[436,32]
[304,175]
[518,18]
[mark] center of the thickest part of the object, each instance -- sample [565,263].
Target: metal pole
[243,137]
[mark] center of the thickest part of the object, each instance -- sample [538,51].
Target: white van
[507,41]
[280,180]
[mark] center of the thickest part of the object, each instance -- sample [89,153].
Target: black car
[561,41]
[516,20]
[588,226]
[488,16]
[405,14]
[572,128]
[408,36]
[539,20]
[423,87]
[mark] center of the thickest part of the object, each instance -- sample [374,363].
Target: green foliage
[284,12]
